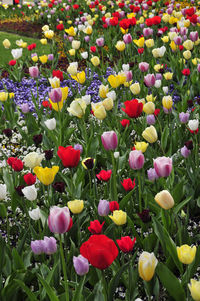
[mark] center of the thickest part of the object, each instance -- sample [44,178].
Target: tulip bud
[163,166]
[150,134]
[152,175]
[55,95]
[76,206]
[109,140]
[103,208]
[81,265]
[193,124]
[185,152]
[50,124]
[59,220]
[3,191]
[194,288]
[151,119]
[146,265]
[35,214]
[149,80]
[50,246]
[34,71]
[143,66]
[186,254]
[119,217]
[30,192]
[135,88]
[136,159]
[164,199]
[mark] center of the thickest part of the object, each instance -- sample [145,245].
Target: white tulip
[16,53]
[3,191]
[35,214]
[30,192]
[165,90]
[33,159]
[157,83]
[50,124]
[193,124]
[125,67]
[112,95]
[87,99]
[84,55]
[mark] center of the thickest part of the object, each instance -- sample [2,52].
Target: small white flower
[30,192]
[35,214]
[50,124]
[193,124]
[3,191]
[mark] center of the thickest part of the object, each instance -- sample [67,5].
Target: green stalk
[139,192]
[64,269]
[114,192]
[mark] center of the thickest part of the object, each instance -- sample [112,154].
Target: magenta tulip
[163,166]
[55,95]
[109,140]
[59,219]
[136,159]
[34,71]
[143,66]
[149,80]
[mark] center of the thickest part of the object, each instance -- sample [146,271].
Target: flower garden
[99,160]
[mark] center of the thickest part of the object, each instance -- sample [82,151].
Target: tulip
[136,159]
[141,146]
[149,108]
[84,55]
[108,104]
[3,96]
[25,108]
[76,44]
[16,53]
[164,199]
[78,147]
[185,152]
[168,75]
[43,59]
[149,43]
[194,36]
[46,175]
[146,265]
[49,34]
[103,208]
[119,217]
[109,140]
[95,227]
[37,246]
[129,77]
[59,220]
[50,246]
[56,95]
[35,214]
[152,175]
[103,90]
[95,61]
[34,71]
[184,117]
[72,69]
[188,44]
[149,80]
[127,38]
[198,68]
[135,88]
[147,31]
[33,159]
[150,134]
[165,90]
[194,288]
[3,191]
[50,124]
[77,108]
[163,166]
[193,124]
[126,244]
[6,43]
[120,45]
[143,66]
[81,265]
[100,42]
[54,82]
[30,192]
[151,119]
[88,163]
[56,103]
[76,206]
[186,254]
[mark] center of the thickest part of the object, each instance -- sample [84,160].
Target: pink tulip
[178,40]
[143,66]
[59,219]
[149,80]
[109,140]
[136,159]
[163,166]
[194,36]
[147,32]
[183,31]
[34,71]
[129,76]
[127,38]
[198,67]
[55,95]
[100,42]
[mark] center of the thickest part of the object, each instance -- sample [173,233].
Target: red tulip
[104,175]
[133,108]
[15,163]
[30,179]
[100,251]
[69,156]
[114,205]
[95,227]
[128,184]
[58,74]
[126,244]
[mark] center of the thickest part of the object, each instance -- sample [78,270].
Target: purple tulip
[149,80]
[25,108]
[143,66]
[198,67]
[183,31]
[50,57]
[185,152]
[152,175]
[103,208]
[87,39]
[37,247]
[147,32]
[50,246]
[129,75]
[163,166]
[109,140]
[81,265]
[100,42]
[78,147]
[151,119]
[166,111]
[194,36]
[178,40]
[127,38]
[136,159]
[55,95]
[184,117]
[59,219]
[159,76]
[34,71]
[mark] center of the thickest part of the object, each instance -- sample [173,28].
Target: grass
[5,54]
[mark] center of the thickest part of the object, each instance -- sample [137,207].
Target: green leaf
[48,279]
[29,293]
[181,205]
[78,292]
[115,281]
[125,199]
[170,282]
[17,260]
[131,224]
[167,243]
[49,290]
[165,135]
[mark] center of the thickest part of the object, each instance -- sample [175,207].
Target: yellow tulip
[173,46]
[167,102]
[150,134]
[168,75]
[165,39]
[186,254]
[119,217]
[45,28]
[141,146]
[120,45]
[150,98]
[76,206]
[140,42]
[43,41]
[54,82]
[77,108]
[6,43]
[11,95]
[88,29]
[46,175]
[95,61]
[49,34]
[76,44]
[165,18]
[114,81]
[71,31]
[188,44]
[108,103]
[149,43]
[103,90]
[57,106]
[164,199]
[135,88]
[157,67]
[149,108]
[72,69]
[187,54]
[72,52]
[3,96]
[99,111]
[43,59]
[194,288]
[35,58]
[79,77]
[147,265]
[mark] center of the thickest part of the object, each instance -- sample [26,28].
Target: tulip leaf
[29,293]
[125,199]
[131,224]
[115,281]
[170,282]
[78,292]
[167,243]
[181,205]
[49,290]
[49,278]
[191,269]
[17,260]
[164,137]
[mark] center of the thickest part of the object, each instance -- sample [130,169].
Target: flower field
[99,159]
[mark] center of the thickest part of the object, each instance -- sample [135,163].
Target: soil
[24,28]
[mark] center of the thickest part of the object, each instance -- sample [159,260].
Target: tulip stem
[139,192]
[64,269]
[114,188]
